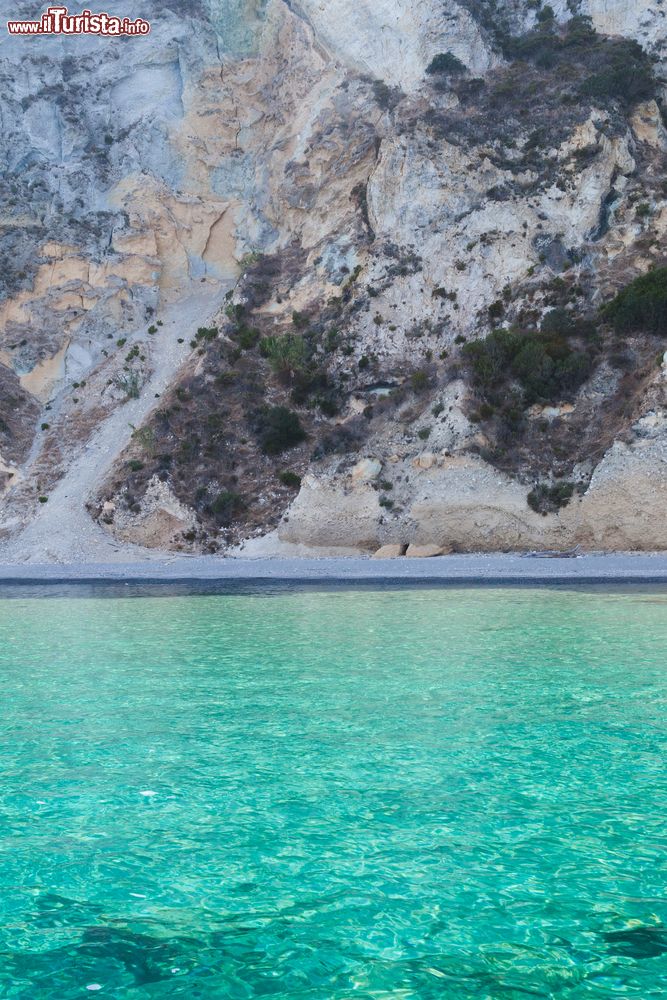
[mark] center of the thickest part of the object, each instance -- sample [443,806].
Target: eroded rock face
[642,20]
[161,518]
[336,518]
[406,213]
[394,40]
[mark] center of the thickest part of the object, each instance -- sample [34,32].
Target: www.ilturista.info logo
[58,21]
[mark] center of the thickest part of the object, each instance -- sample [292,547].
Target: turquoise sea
[333,794]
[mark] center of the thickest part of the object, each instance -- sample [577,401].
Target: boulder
[389,552]
[365,470]
[424,461]
[424,551]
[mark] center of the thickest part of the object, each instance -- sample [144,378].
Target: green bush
[291,479]
[287,354]
[602,68]
[130,383]
[445,62]
[545,499]
[490,357]
[207,333]
[419,381]
[386,97]
[327,404]
[561,323]
[580,32]
[625,75]
[278,429]
[226,506]
[247,337]
[641,305]
[546,14]
[235,312]
[541,47]
[544,365]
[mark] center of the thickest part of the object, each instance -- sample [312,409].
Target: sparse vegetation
[145,437]
[616,69]
[419,381]
[226,505]
[553,76]
[207,333]
[130,383]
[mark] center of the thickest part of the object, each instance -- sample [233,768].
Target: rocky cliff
[335,276]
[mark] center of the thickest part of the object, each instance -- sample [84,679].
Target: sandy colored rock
[424,551]
[46,375]
[648,126]
[390,552]
[365,470]
[424,461]
[323,516]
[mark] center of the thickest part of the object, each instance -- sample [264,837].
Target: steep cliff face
[254,249]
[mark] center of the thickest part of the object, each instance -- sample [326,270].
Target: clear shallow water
[412,793]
